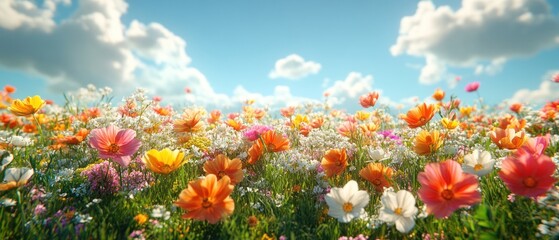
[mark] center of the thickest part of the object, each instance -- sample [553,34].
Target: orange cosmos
[516,107]
[528,174]
[334,162]
[215,116]
[378,175]
[419,115]
[207,199]
[445,188]
[508,138]
[29,106]
[438,94]
[223,166]
[190,122]
[274,141]
[369,99]
[255,152]
[427,142]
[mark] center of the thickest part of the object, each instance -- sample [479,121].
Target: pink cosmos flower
[255,131]
[472,87]
[534,146]
[445,188]
[115,143]
[556,78]
[527,174]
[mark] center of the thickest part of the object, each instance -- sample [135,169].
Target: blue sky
[226,51]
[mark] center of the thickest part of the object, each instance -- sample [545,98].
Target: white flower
[7,202]
[5,159]
[398,208]
[478,163]
[15,177]
[378,154]
[347,203]
[20,141]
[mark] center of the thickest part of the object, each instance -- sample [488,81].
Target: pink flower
[115,143]
[255,131]
[556,78]
[472,87]
[534,146]
[445,188]
[368,99]
[527,174]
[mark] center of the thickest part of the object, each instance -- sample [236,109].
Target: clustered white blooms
[321,140]
[551,201]
[295,162]
[226,140]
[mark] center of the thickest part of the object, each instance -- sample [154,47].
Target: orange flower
[255,152]
[317,122]
[9,89]
[287,111]
[141,218]
[378,175]
[274,141]
[508,138]
[223,166]
[438,94]
[215,115]
[368,128]
[516,107]
[419,115]
[347,129]
[369,99]
[207,199]
[190,122]
[427,142]
[512,122]
[466,111]
[27,107]
[334,162]
[237,125]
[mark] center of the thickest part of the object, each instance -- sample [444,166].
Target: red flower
[528,174]
[445,188]
[369,99]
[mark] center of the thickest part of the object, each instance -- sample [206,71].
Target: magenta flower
[255,131]
[472,87]
[115,143]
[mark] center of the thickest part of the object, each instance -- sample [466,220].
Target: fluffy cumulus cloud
[547,91]
[479,31]
[294,67]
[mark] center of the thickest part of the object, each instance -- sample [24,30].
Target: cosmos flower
[189,122]
[446,188]
[369,99]
[398,208]
[528,174]
[378,175]
[334,162]
[438,94]
[223,166]
[29,106]
[15,177]
[115,143]
[472,87]
[347,203]
[207,199]
[508,138]
[427,142]
[164,161]
[478,163]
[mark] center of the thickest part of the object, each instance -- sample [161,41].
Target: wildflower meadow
[95,167]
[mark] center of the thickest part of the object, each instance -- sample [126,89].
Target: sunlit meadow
[99,168]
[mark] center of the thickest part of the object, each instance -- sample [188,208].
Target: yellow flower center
[529,182]
[447,194]
[478,167]
[206,203]
[348,207]
[398,211]
[113,148]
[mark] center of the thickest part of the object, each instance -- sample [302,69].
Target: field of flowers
[94,168]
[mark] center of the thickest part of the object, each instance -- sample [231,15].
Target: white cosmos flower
[347,203]
[377,154]
[478,163]
[398,208]
[15,177]
[20,141]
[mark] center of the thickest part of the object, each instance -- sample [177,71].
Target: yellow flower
[164,161]
[449,124]
[29,106]
[362,115]
[141,218]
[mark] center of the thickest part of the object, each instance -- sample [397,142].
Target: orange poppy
[369,99]
[419,115]
[508,138]
[190,122]
[516,107]
[207,199]
[427,142]
[378,175]
[438,94]
[274,141]
[223,166]
[334,162]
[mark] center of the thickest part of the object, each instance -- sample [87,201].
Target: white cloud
[547,91]
[352,87]
[294,67]
[492,68]
[478,31]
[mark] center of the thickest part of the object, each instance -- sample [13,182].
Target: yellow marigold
[141,218]
[27,107]
[427,142]
[202,143]
[164,161]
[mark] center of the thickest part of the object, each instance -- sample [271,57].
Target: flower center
[338,163]
[376,182]
[348,207]
[478,167]
[398,211]
[422,119]
[113,148]
[447,194]
[206,203]
[220,174]
[529,182]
